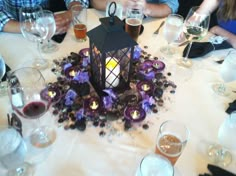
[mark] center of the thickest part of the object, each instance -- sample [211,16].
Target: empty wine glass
[34,28]
[25,90]
[228,74]
[219,153]
[195,27]
[2,73]
[47,18]
[171,31]
[13,152]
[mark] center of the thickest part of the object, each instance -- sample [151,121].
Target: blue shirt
[173,4]
[9,9]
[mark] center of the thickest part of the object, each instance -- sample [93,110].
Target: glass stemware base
[184,62]
[221,89]
[49,46]
[40,64]
[167,50]
[219,155]
[43,137]
[25,170]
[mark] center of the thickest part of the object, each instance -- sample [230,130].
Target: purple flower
[110,93]
[148,75]
[80,114]
[66,66]
[86,61]
[107,102]
[147,103]
[81,77]
[70,97]
[137,52]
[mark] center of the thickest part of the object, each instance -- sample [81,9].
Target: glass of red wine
[25,87]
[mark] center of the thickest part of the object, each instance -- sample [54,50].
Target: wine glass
[25,89]
[195,27]
[2,73]
[228,74]
[34,28]
[47,18]
[172,28]
[13,152]
[219,153]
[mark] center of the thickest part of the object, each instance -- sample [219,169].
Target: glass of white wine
[195,27]
[219,153]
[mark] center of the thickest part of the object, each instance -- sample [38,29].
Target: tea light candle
[51,94]
[84,52]
[112,72]
[70,72]
[145,86]
[134,113]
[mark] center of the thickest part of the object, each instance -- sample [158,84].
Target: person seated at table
[226,18]
[9,17]
[152,8]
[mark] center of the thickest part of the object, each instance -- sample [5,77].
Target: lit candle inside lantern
[135,114]
[94,105]
[112,72]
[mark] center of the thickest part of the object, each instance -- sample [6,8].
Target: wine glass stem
[186,56]
[39,49]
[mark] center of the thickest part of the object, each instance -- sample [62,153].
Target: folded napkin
[232,107]
[200,49]
[217,171]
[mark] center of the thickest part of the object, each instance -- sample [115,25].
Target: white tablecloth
[76,153]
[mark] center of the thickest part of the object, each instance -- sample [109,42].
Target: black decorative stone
[80,125]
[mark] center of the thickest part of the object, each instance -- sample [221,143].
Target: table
[86,153]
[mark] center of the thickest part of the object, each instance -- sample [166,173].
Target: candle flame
[145,87]
[135,114]
[111,63]
[72,73]
[94,105]
[52,94]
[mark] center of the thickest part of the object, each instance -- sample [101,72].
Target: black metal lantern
[111,55]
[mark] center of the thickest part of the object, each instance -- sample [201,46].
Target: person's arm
[208,6]
[99,4]
[12,26]
[157,10]
[231,38]
[64,19]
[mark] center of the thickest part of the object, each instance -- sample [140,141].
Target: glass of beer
[79,20]
[171,140]
[133,21]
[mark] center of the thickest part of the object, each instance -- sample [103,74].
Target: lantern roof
[110,35]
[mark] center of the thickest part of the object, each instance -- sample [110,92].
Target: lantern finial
[112,14]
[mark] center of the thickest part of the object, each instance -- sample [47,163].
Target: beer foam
[10,140]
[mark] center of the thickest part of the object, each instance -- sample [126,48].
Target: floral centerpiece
[76,103]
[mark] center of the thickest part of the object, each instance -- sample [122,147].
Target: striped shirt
[9,9]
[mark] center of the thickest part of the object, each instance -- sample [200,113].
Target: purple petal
[137,52]
[71,94]
[110,93]
[81,77]
[66,66]
[86,61]
[107,102]
[80,114]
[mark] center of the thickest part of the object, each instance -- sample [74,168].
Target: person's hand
[63,21]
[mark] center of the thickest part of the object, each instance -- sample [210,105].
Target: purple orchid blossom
[86,61]
[81,77]
[110,93]
[107,102]
[147,103]
[66,66]
[70,97]
[80,114]
[137,52]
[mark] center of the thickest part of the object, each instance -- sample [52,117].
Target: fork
[158,29]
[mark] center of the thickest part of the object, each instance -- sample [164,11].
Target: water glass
[171,140]
[155,165]
[133,21]
[79,20]
[12,152]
